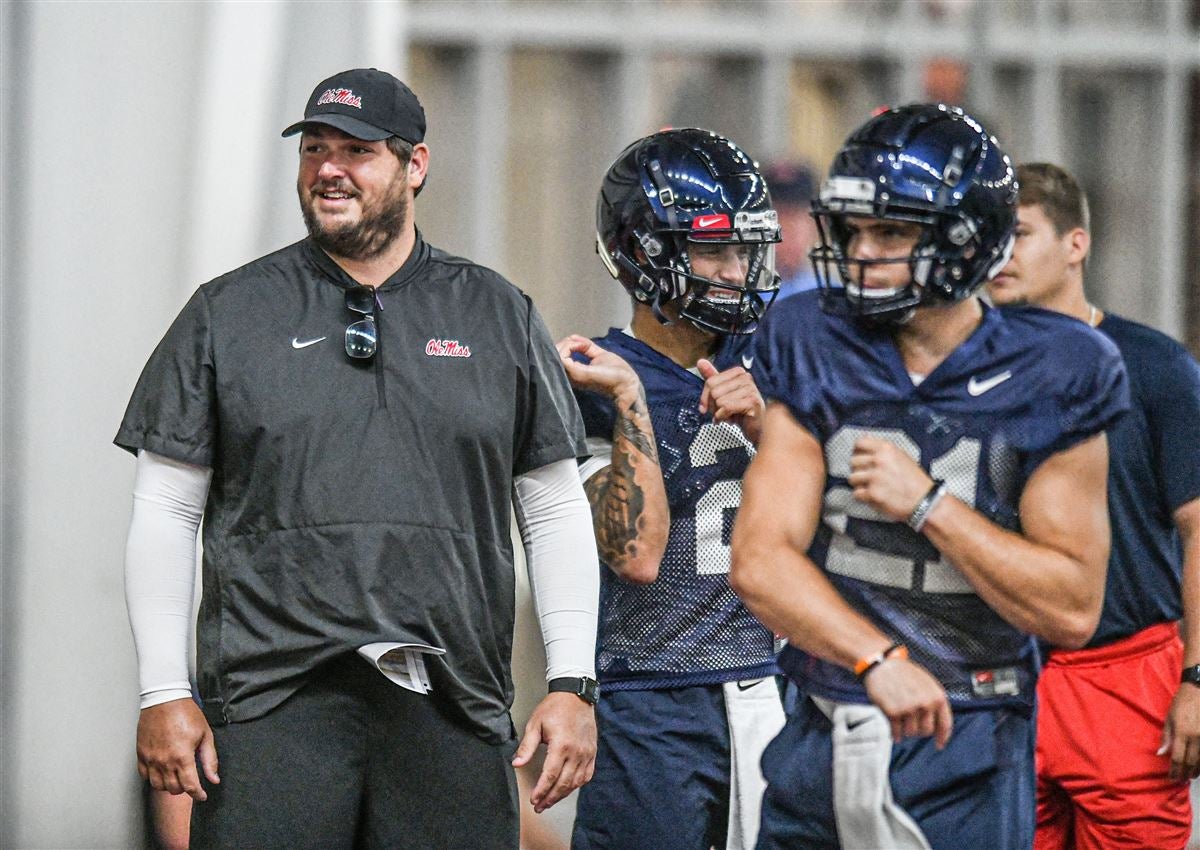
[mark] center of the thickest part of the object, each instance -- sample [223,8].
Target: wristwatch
[586,689]
[1191,674]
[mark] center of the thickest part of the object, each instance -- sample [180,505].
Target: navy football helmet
[928,164]
[679,188]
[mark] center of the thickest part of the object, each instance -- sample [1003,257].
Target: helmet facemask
[943,266]
[721,305]
[839,276]
[661,269]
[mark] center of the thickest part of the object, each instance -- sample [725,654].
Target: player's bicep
[1065,503]
[784,486]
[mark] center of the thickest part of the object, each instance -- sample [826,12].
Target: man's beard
[367,238]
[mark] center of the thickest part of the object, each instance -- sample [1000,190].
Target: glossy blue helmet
[682,187]
[932,165]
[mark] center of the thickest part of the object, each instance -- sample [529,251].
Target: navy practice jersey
[687,627]
[1025,385]
[1154,468]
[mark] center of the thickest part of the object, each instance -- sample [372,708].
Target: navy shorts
[353,760]
[662,772]
[978,792]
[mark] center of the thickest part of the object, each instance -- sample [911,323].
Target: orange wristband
[867,663]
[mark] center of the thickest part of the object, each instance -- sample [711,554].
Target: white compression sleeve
[564,571]
[160,571]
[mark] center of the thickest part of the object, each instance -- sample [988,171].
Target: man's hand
[732,395]
[567,725]
[169,738]
[913,700]
[605,373]
[886,478]
[1181,733]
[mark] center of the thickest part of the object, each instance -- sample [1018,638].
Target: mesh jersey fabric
[687,627]
[1026,384]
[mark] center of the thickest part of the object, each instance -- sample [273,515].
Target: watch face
[1192,674]
[591,690]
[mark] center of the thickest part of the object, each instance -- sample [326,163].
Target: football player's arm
[1047,580]
[1181,733]
[781,502]
[628,498]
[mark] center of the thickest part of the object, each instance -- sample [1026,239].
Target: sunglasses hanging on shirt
[362,337]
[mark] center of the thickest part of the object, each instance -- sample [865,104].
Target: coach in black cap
[365,103]
[351,416]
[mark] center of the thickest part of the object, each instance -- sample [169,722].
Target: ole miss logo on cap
[342,96]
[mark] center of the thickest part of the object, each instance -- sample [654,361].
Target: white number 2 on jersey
[712,553]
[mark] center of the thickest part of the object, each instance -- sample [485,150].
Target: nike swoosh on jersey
[978,387]
[296,343]
[747,362]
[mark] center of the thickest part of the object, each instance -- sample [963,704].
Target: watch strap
[1191,675]
[586,689]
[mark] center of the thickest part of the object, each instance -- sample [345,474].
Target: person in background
[1119,720]
[793,187]
[170,819]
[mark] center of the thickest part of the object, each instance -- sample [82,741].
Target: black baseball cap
[367,103]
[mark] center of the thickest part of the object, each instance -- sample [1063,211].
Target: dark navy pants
[662,772]
[978,792]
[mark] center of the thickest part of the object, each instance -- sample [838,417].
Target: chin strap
[659,314]
[666,195]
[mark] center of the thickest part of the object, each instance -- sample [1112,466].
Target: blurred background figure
[171,819]
[793,186]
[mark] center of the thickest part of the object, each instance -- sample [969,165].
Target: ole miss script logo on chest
[446,348]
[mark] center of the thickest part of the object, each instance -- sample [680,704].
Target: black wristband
[586,689]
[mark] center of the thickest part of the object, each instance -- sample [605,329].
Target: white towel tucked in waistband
[755,714]
[866,813]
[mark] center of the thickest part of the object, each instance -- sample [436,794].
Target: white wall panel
[141,157]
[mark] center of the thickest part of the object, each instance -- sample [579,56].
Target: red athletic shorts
[1100,721]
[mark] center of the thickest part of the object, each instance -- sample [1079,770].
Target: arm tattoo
[636,428]
[617,498]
